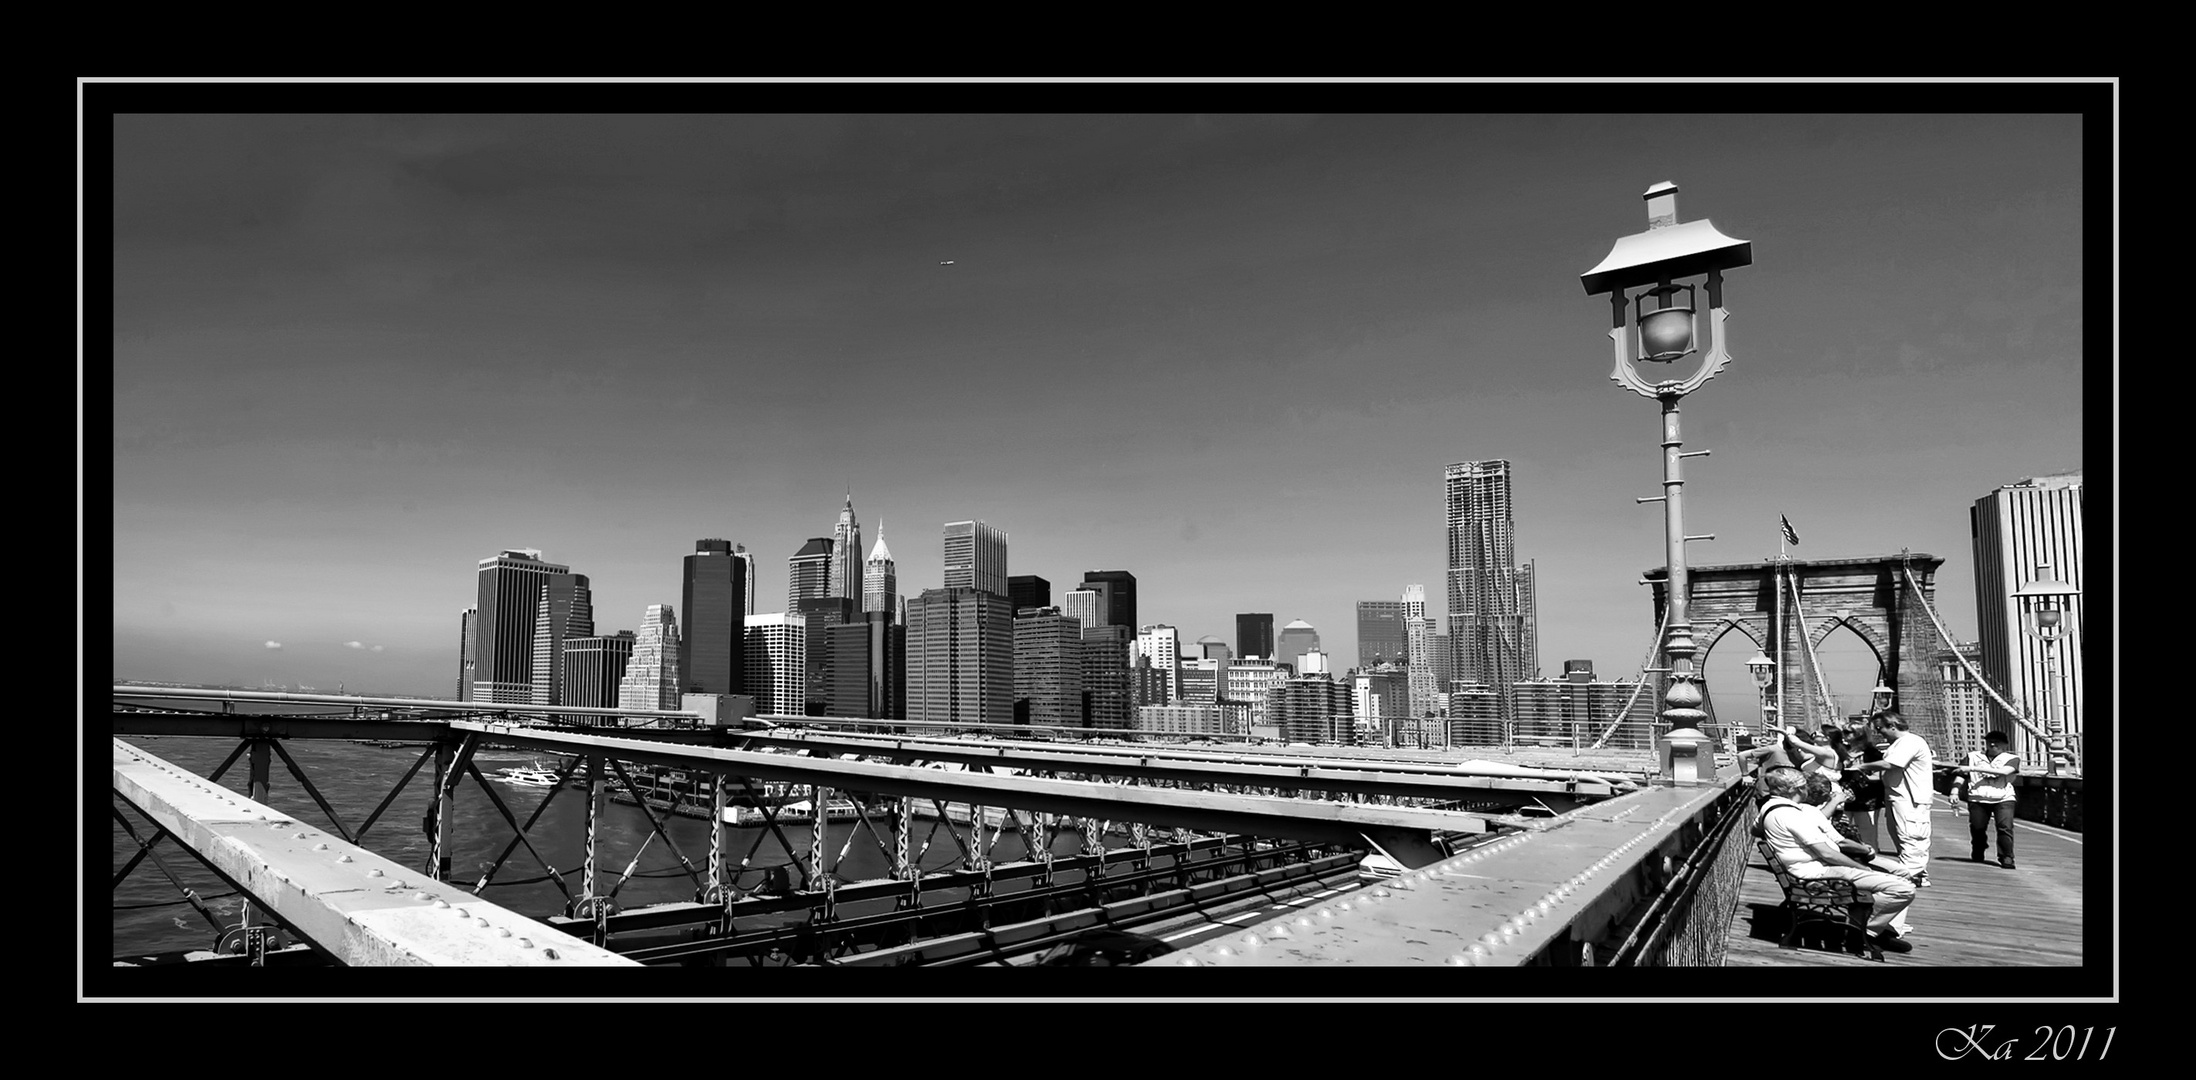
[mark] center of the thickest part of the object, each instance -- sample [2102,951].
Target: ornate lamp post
[1764,671]
[1654,263]
[2043,605]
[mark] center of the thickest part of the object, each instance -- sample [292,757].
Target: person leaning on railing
[1808,848]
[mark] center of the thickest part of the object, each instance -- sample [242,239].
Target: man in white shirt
[1908,793]
[1807,847]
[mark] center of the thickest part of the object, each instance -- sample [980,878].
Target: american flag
[1790,537]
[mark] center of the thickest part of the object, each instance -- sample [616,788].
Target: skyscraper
[777,663]
[1082,606]
[1297,638]
[1486,626]
[2017,529]
[808,573]
[509,604]
[868,667]
[594,667]
[1380,638]
[1425,682]
[564,611]
[652,675]
[960,656]
[975,557]
[1029,591]
[1254,634]
[467,621]
[1312,709]
[715,600]
[1106,675]
[561,613]
[881,578]
[1116,591]
[846,554]
[1162,645]
[747,570]
[1048,667]
[1414,601]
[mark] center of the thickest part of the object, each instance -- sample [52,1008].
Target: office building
[1487,625]
[1029,591]
[976,557]
[808,573]
[1312,709]
[1425,683]
[2017,529]
[1966,706]
[1414,602]
[1251,681]
[1106,675]
[960,656]
[712,657]
[1297,638]
[1475,717]
[1444,665]
[1315,662]
[1577,709]
[1254,634]
[507,615]
[565,610]
[868,667]
[881,579]
[1081,605]
[1380,638]
[1194,720]
[594,668]
[845,572]
[1116,591]
[1528,621]
[467,624]
[1203,678]
[1162,645]
[821,615]
[1148,683]
[747,572]
[652,676]
[776,659]
[1048,668]
[1380,698]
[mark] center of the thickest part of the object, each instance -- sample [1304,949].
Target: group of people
[1830,802]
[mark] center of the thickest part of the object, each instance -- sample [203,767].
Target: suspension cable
[1822,685]
[2019,716]
[1652,648]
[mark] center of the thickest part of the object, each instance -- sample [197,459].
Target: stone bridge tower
[1869,594]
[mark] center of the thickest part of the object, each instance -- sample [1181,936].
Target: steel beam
[349,903]
[1205,811]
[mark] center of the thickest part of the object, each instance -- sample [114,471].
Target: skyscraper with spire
[846,554]
[880,578]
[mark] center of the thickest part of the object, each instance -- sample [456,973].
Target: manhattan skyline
[1230,354]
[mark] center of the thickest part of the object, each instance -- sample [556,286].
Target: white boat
[527,776]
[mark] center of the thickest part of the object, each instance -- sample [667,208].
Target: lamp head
[1763,669]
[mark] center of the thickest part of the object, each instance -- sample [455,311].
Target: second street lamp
[1653,262]
[2044,602]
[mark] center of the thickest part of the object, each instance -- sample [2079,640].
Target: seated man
[1807,847]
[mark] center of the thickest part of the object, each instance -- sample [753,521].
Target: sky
[1231,352]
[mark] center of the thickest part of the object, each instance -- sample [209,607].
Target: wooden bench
[1830,902]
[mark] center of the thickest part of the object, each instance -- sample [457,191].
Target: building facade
[1252,681]
[1967,712]
[1425,683]
[747,572]
[1081,605]
[976,557]
[1106,675]
[1576,709]
[2017,529]
[1313,709]
[566,610]
[467,625]
[1380,638]
[1162,646]
[868,668]
[1029,591]
[652,675]
[845,572]
[881,579]
[1297,638]
[594,668]
[808,573]
[1487,623]
[1475,717]
[1197,720]
[1048,668]
[1254,634]
[1116,591]
[507,612]
[776,659]
[960,657]
[712,657]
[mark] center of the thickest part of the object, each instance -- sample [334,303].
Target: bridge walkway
[1972,915]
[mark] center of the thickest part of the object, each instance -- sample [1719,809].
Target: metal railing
[1689,921]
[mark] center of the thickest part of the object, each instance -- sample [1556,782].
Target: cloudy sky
[354,353]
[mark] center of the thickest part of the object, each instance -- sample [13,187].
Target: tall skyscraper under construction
[1487,616]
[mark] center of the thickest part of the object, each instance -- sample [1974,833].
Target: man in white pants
[1908,794]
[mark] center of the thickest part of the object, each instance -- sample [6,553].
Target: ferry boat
[527,776]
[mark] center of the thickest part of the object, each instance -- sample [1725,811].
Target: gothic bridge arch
[1867,594]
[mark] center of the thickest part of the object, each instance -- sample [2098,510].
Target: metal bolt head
[375,872]
[322,846]
[343,858]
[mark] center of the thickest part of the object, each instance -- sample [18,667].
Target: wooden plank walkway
[1972,915]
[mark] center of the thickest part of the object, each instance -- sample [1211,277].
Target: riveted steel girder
[349,903]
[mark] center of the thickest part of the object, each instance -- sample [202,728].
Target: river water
[150,915]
